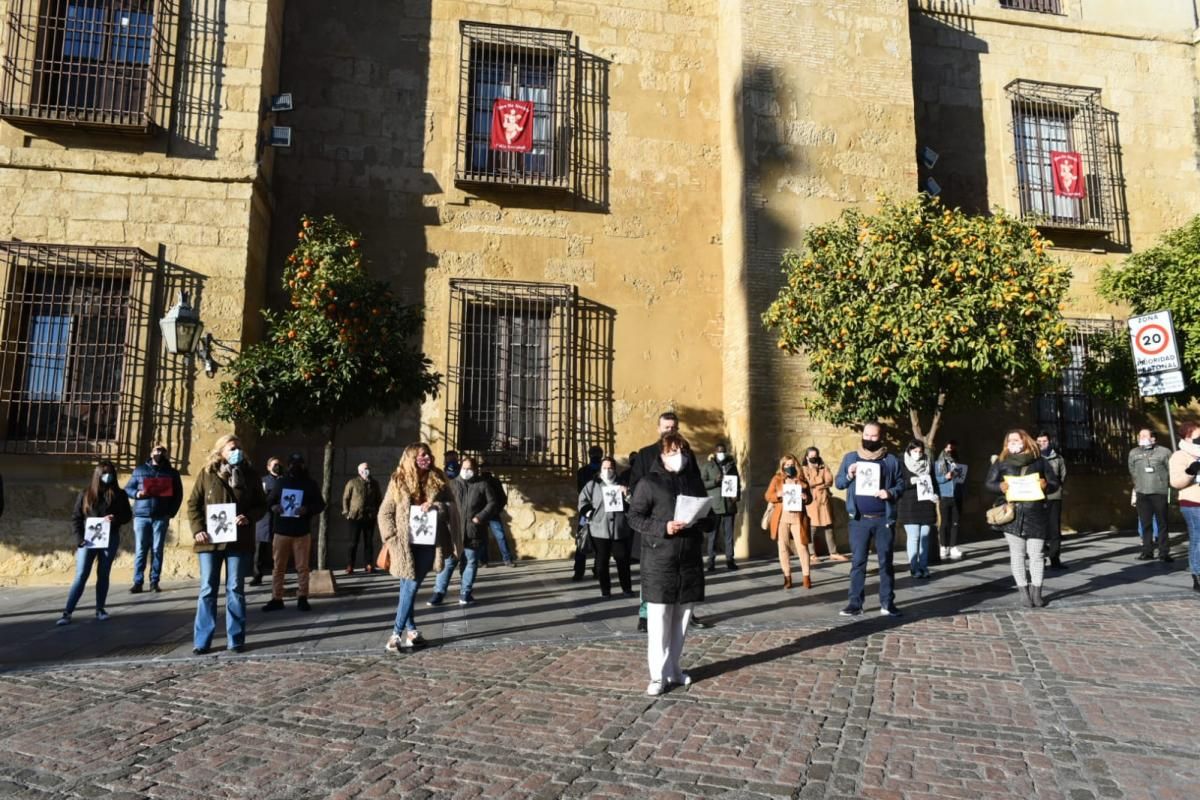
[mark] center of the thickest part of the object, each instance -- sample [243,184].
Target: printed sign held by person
[613,501]
[96,531]
[291,501]
[221,522]
[867,478]
[793,497]
[729,486]
[422,525]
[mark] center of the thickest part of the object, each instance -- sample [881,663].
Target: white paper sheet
[290,502]
[1024,488]
[689,509]
[96,531]
[219,520]
[867,478]
[793,497]
[422,525]
[729,486]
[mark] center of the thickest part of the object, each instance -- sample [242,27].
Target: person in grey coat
[611,534]
[1150,470]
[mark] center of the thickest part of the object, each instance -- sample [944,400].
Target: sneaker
[436,599]
[199,651]
[414,640]
[396,643]
[237,648]
[154,587]
[510,563]
[656,688]
[65,619]
[850,611]
[469,600]
[956,554]
[101,615]
[699,623]
[273,605]
[682,679]
[944,552]
[302,604]
[890,612]
[135,589]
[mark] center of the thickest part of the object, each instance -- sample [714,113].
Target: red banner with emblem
[1068,173]
[512,126]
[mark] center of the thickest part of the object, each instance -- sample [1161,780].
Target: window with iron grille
[75,322]
[1087,431]
[529,65]
[510,371]
[103,63]
[1065,128]
[1039,6]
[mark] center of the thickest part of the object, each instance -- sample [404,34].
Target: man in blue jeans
[157,492]
[872,510]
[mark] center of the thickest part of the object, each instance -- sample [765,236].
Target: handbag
[765,524]
[384,559]
[1000,515]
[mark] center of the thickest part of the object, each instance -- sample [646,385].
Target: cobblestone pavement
[1091,697]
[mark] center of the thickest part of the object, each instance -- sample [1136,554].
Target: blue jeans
[498,534]
[470,564]
[918,547]
[235,598]
[1191,515]
[422,562]
[149,533]
[84,558]
[861,533]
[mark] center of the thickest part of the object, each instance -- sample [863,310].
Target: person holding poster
[872,480]
[1024,478]
[950,475]
[820,516]
[416,483]
[724,485]
[672,557]
[918,508]
[157,492]
[101,500]
[294,501]
[226,478]
[789,493]
[603,501]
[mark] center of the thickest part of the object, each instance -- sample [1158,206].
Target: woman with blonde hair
[414,543]
[1026,520]
[227,477]
[790,524]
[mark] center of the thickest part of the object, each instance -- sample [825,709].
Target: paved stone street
[538,692]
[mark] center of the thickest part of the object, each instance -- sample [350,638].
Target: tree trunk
[326,492]
[928,438]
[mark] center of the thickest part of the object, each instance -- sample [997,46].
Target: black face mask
[1196,440]
[789,471]
[1046,451]
[814,460]
[871,447]
[159,458]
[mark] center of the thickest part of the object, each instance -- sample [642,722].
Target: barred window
[532,145]
[1067,158]
[1087,431]
[88,62]
[1039,6]
[509,371]
[72,317]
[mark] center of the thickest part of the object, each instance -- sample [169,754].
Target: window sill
[24,119]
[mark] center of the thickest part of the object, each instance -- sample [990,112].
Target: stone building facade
[619,265]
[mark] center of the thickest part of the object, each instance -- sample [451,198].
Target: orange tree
[342,350]
[903,310]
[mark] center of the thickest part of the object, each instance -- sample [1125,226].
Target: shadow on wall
[200,57]
[167,416]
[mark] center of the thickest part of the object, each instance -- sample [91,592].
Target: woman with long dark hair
[102,499]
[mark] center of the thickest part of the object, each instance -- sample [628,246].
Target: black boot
[1026,599]
[1035,597]
[1056,563]
[1196,583]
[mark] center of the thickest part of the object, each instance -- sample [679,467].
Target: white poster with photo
[729,486]
[290,502]
[614,498]
[422,525]
[220,521]
[96,531]
[925,492]
[867,477]
[793,497]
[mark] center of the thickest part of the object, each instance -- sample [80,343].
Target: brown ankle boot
[807,582]
[787,581]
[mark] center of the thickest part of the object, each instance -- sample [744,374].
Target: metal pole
[1170,423]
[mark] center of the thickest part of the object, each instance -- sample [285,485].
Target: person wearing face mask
[917,509]
[294,502]
[360,506]
[820,516]
[1149,466]
[496,523]
[1025,533]
[1053,500]
[157,492]
[949,474]
[102,498]
[264,559]
[672,558]
[1185,476]
[227,477]
[872,517]
[790,526]
[611,534]
[477,506]
[583,543]
[715,470]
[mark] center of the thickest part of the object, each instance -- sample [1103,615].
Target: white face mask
[466,474]
[720,456]
[1144,442]
[607,475]
[364,473]
[1015,447]
[673,462]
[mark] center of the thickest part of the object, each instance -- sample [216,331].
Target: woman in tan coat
[414,543]
[789,524]
[820,516]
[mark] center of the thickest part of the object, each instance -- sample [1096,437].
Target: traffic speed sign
[1154,346]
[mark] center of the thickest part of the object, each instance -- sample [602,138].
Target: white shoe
[955,553]
[394,643]
[656,688]
[682,679]
[414,639]
[945,551]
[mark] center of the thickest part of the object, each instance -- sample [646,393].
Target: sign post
[1156,360]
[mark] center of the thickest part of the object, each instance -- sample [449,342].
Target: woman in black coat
[102,499]
[1026,532]
[672,558]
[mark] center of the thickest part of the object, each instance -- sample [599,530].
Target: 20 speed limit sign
[1154,346]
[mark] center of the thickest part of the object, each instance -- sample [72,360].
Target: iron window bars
[76,325]
[97,63]
[509,371]
[1048,117]
[513,63]
[1038,6]
[1086,430]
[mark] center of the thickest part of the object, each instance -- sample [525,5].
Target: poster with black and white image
[422,525]
[729,486]
[220,521]
[96,531]
[867,478]
[290,501]
[613,499]
[793,497]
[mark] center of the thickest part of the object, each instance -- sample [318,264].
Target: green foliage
[344,349]
[1165,277]
[917,302]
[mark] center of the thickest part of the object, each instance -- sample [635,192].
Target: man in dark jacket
[496,524]
[264,560]
[715,472]
[1054,499]
[477,505]
[360,506]
[157,492]
[1148,466]
[872,511]
[295,500]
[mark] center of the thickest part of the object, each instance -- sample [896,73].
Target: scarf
[867,455]
[1020,459]
[916,465]
[233,477]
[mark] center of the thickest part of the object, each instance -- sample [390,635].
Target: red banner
[158,487]
[1068,174]
[512,126]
